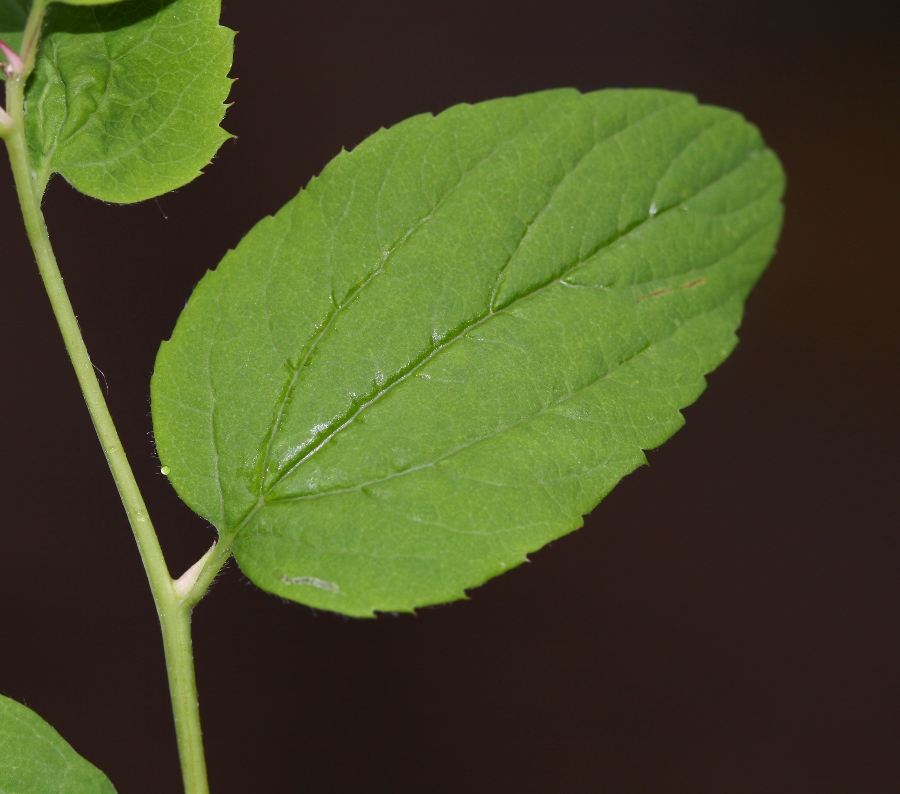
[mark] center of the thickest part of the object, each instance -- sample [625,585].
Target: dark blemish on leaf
[669,290]
[311,581]
[655,294]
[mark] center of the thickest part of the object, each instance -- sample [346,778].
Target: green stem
[176,631]
[174,600]
[31,35]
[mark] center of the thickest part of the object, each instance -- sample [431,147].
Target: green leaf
[126,100]
[452,344]
[14,15]
[35,759]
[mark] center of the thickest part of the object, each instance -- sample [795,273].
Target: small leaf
[35,759]
[14,15]
[126,101]
[452,344]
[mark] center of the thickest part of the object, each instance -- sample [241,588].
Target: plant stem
[32,34]
[176,631]
[173,608]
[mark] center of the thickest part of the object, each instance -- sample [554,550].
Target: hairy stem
[176,631]
[173,608]
[32,34]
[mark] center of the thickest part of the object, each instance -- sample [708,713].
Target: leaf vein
[414,366]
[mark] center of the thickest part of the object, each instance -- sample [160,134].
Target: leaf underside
[453,343]
[126,99]
[35,759]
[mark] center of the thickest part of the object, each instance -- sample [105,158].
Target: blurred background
[727,620]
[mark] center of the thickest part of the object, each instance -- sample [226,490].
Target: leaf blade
[35,759]
[460,279]
[127,98]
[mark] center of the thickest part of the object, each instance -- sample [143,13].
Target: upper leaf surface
[452,345]
[126,99]
[14,15]
[35,759]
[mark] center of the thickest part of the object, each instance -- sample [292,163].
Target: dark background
[726,621]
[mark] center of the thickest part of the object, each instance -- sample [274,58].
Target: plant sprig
[431,362]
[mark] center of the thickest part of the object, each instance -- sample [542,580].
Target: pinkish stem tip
[13,64]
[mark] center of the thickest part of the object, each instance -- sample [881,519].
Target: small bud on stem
[188,579]
[13,66]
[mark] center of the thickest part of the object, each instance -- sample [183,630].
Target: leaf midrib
[468,328]
[265,485]
[326,326]
[428,464]
[307,355]
[608,374]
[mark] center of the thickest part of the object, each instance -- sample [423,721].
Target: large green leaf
[452,344]
[126,99]
[35,759]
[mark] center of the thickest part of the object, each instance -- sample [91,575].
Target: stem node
[13,67]
[184,584]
